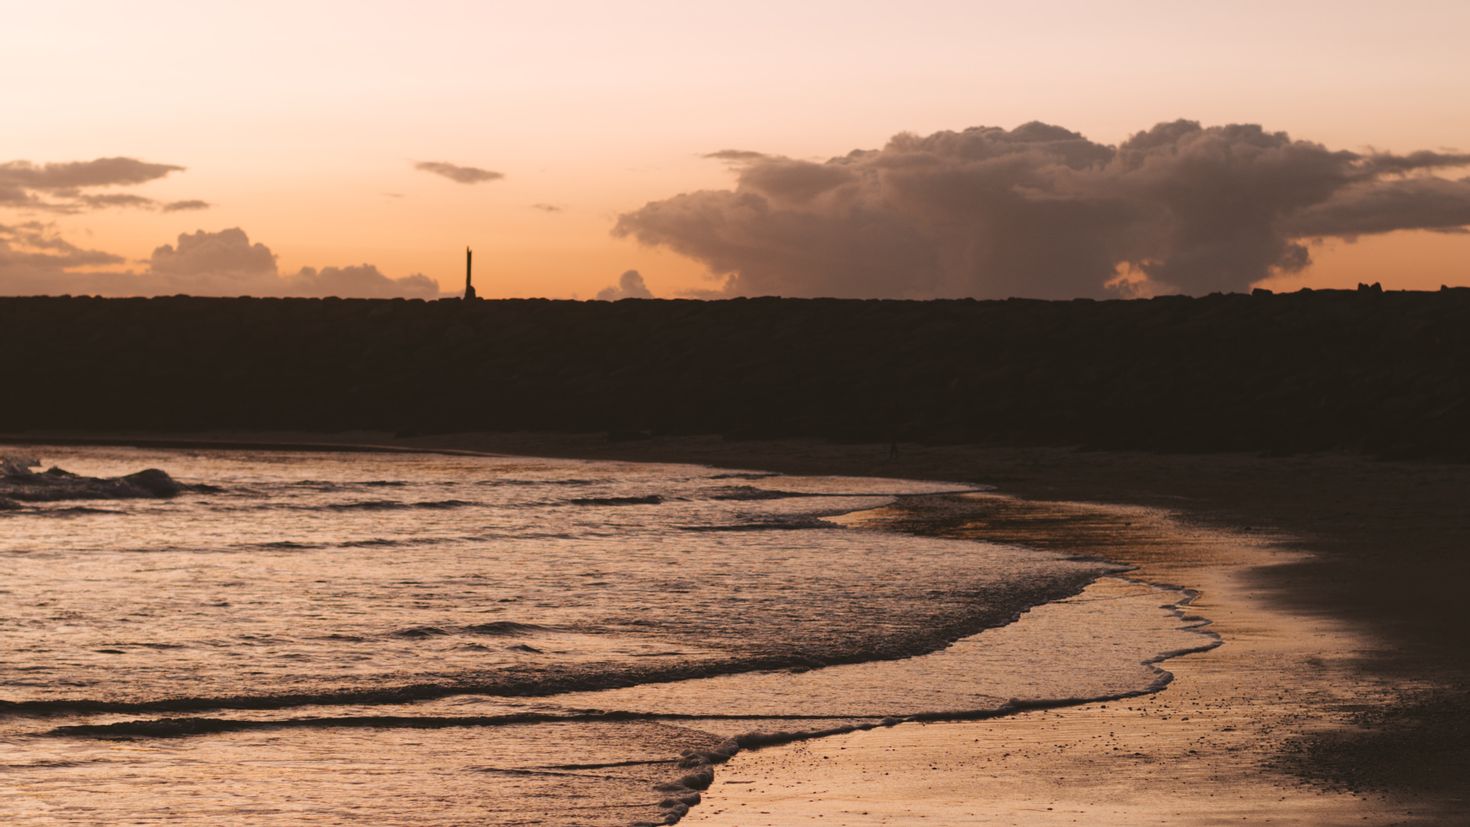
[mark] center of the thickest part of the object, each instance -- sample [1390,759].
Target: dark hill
[1387,373]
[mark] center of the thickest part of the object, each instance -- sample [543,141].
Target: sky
[361,146]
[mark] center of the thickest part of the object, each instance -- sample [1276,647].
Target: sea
[368,637]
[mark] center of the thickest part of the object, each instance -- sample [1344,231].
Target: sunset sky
[304,123]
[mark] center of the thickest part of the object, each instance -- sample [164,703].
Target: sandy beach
[1214,747]
[1335,697]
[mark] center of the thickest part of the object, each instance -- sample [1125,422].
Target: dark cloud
[1042,211]
[1422,159]
[546,207]
[61,187]
[630,286]
[36,261]
[458,174]
[1384,206]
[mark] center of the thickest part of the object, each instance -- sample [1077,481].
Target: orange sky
[301,122]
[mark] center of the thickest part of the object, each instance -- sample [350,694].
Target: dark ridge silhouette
[1382,372]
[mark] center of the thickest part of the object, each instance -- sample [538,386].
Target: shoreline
[1332,527]
[758,746]
[1182,753]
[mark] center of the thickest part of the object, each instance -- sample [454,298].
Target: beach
[1213,747]
[1333,697]
[1347,570]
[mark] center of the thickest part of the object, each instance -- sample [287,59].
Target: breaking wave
[650,499]
[18,482]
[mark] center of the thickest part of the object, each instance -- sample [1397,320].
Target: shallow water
[430,639]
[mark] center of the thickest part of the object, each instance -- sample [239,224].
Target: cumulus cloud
[362,281]
[34,260]
[217,263]
[1042,211]
[630,286]
[457,173]
[62,187]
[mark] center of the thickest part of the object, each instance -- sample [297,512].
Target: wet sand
[1336,582]
[1208,749]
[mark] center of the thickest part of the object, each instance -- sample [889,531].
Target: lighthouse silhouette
[469,289]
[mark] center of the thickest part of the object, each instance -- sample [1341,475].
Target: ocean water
[442,639]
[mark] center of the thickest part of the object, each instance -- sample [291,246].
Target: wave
[797,523]
[201,488]
[379,542]
[497,628]
[651,499]
[287,545]
[341,485]
[571,481]
[743,493]
[557,679]
[191,726]
[15,465]
[13,507]
[505,628]
[185,727]
[393,505]
[18,482]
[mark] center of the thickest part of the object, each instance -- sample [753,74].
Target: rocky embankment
[1383,372]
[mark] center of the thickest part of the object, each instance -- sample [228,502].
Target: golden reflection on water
[339,637]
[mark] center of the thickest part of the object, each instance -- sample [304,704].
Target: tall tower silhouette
[469,289]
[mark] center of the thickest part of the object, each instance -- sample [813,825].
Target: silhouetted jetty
[1384,372]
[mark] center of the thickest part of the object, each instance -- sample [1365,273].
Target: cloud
[60,187]
[215,262]
[39,244]
[115,199]
[34,260]
[190,204]
[546,207]
[458,174]
[1042,211]
[1385,206]
[736,156]
[360,281]
[103,172]
[630,286]
[1422,159]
